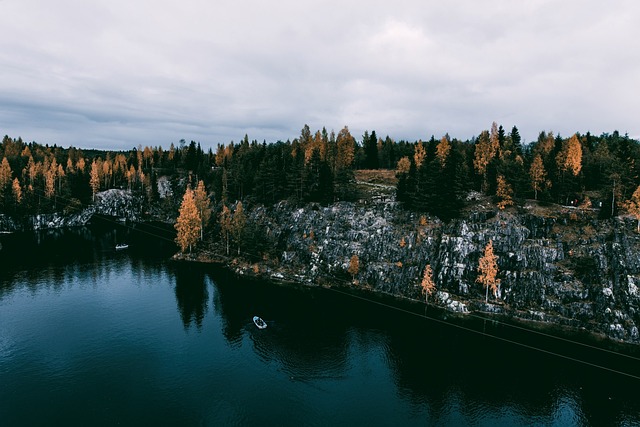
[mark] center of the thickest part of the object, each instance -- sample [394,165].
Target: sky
[116,74]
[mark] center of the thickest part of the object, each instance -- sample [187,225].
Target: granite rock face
[568,268]
[121,204]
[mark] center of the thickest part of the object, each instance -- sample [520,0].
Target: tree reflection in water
[191,295]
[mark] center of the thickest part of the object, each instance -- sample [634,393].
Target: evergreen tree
[238,224]
[225,225]
[370,143]
[516,140]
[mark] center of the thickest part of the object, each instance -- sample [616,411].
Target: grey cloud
[120,74]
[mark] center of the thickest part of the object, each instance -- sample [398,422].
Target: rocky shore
[557,265]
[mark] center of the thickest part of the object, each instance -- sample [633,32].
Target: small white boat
[120,246]
[261,324]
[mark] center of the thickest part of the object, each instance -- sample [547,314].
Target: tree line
[433,176]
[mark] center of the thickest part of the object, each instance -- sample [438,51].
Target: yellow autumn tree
[504,193]
[486,150]
[5,176]
[204,206]
[633,206]
[427,284]
[419,154]
[442,150]
[80,165]
[5,173]
[188,223]
[17,191]
[354,267]
[404,165]
[538,175]
[488,269]
[573,156]
[94,180]
[345,149]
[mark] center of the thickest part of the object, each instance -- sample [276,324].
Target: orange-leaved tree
[488,269]
[95,179]
[354,266]
[633,206]
[188,223]
[504,192]
[427,284]
[203,204]
[538,175]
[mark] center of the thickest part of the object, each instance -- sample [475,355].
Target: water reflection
[320,350]
[191,294]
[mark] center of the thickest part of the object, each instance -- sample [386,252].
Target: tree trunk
[486,297]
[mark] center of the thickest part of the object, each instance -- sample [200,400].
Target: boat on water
[261,324]
[121,246]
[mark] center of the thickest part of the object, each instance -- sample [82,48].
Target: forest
[433,176]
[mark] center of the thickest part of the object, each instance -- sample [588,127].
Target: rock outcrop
[120,204]
[559,265]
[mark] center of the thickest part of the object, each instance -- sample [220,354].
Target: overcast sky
[118,73]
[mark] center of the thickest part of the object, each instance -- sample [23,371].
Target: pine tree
[238,224]
[224,220]
[188,223]
[427,284]
[488,269]
[516,140]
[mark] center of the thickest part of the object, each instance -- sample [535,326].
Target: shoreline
[542,329]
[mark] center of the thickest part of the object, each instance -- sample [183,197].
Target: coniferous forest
[433,176]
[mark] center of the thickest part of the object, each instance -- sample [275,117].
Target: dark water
[91,336]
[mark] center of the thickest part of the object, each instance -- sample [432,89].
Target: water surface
[94,336]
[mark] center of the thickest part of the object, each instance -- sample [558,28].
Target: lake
[94,336]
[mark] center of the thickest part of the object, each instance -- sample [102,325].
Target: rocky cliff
[120,204]
[556,264]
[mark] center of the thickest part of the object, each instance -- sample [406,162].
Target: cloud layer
[116,74]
